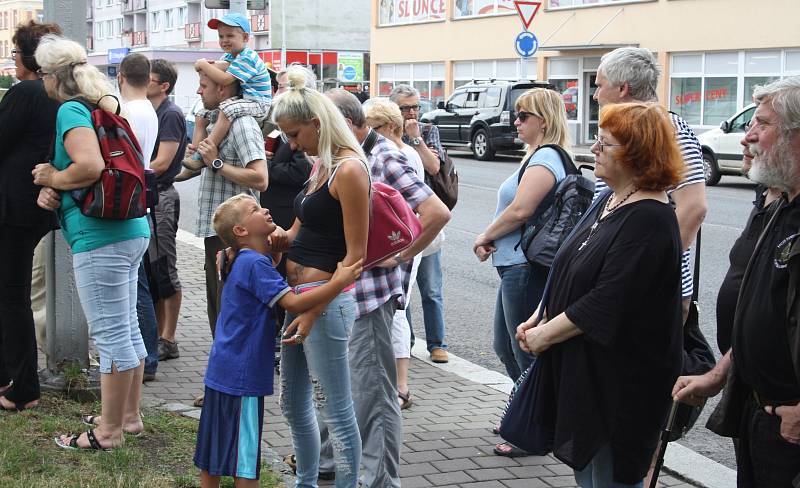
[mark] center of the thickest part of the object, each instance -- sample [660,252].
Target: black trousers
[764,458]
[18,356]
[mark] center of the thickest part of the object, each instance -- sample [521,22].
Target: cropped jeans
[106,279]
[316,376]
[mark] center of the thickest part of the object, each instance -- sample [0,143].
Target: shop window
[722,63]
[423,87]
[751,82]
[472,8]
[484,70]
[582,3]
[329,71]
[687,63]
[792,60]
[402,71]
[562,67]
[398,12]
[687,99]
[762,62]
[385,71]
[462,70]
[720,99]
[437,91]
[385,88]
[422,71]
[437,71]
[569,93]
[507,69]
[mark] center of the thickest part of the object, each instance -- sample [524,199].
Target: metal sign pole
[67,334]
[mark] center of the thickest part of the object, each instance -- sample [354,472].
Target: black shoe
[167,349]
[148,377]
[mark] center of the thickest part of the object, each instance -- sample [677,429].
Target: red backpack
[120,192]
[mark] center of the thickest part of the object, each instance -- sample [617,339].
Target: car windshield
[515,94]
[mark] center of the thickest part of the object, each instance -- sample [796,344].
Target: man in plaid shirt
[379,292]
[238,165]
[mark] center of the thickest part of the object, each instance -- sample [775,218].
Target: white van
[722,151]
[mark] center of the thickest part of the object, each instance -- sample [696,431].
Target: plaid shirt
[388,165]
[243,145]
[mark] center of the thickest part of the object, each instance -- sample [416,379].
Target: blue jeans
[316,376]
[429,280]
[511,309]
[148,325]
[599,473]
[106,280]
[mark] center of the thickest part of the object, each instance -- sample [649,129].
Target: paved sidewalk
[447,441]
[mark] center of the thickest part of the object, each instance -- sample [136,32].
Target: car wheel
[710,169]
[481,147]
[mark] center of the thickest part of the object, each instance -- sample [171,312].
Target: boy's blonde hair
[227,216]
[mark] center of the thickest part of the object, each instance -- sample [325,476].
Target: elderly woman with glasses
[609,339]
[541,119]
[27,118]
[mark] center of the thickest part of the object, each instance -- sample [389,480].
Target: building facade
[177,30]
[713,52]
[13,13]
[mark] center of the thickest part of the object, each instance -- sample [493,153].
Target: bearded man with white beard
[761,373]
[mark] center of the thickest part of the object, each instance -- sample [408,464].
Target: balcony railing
[259,23]
[138,38]
[89,43]
[192,31]
[130,6]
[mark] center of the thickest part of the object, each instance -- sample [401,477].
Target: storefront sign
[115,56]
[350,67]
[394,12]
[694,97]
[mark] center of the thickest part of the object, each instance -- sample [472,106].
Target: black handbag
[517,425]
[697,356]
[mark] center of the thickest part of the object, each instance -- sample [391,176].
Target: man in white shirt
[133,78]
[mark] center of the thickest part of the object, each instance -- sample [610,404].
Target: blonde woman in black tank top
[331,226]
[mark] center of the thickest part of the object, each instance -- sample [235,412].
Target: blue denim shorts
[106,280]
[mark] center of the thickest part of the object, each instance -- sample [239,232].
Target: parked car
[722,151]
[481,115]
[425,105]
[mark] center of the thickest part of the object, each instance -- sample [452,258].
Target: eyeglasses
[408,108]
[602,144]
[378,127]
[523,116]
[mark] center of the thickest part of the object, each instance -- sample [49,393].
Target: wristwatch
[416,141]
[398,259]
[216,165]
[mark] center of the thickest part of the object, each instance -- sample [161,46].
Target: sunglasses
[523,116]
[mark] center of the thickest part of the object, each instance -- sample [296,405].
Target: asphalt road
[470,287]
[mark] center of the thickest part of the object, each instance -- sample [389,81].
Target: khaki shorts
[163,247]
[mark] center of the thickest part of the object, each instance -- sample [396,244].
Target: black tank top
[320,242]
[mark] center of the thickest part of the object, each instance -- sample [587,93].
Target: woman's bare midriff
[297,274]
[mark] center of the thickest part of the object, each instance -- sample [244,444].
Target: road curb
[679,459]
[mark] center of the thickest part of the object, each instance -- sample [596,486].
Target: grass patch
[162,457]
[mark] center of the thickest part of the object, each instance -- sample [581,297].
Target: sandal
[406,397]
[90,421]
[510,450]
[18,407]
[94,445]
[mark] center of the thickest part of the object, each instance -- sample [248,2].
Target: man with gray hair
[761,372]
[630,74]
[424,138]
[379,292]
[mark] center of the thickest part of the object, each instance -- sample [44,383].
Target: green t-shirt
[84,233]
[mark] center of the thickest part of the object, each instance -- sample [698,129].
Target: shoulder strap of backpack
[696,274]
[566,159]
[369,142]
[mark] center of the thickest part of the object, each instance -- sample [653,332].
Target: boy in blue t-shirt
[239,63]
[240,364]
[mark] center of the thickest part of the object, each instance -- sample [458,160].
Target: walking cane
[662,445]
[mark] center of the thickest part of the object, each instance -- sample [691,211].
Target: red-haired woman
[609,343]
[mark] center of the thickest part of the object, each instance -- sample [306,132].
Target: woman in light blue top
[106,253]
[541,119]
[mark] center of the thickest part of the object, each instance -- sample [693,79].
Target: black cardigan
[612,384]
[27,125]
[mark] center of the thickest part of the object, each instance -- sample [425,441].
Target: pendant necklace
[609,210]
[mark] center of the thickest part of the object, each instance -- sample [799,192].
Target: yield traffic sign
[527,10]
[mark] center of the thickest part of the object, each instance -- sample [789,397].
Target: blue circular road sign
[349,73]
[526,44]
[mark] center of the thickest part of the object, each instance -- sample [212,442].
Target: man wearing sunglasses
[424,138]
